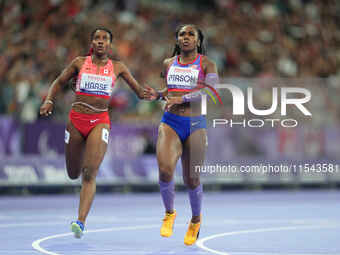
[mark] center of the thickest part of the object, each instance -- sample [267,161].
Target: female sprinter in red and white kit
[87,131]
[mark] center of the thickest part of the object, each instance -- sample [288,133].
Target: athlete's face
[188,38]
[101,42]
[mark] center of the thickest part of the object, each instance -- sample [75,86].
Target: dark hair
[104,29]
[200,49]
[92,35]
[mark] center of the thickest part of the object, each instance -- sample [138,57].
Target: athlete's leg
[169,149]
[193,155]
[96,146]
[74,150]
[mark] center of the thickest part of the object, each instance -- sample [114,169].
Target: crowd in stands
[293,39]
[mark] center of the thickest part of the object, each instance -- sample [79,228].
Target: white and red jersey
[95,80]
[184,77]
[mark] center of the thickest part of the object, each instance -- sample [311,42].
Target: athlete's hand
[149,93]
[46,108]
[170,101]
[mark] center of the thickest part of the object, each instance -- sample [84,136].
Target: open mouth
[186,43]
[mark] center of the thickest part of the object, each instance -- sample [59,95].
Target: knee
[165,172]
[191,182]
[88,174]
[73,174]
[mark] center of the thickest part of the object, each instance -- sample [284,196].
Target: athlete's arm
[161,93]
[70,71]
[211,79]
[124,72]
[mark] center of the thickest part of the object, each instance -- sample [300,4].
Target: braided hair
[200,48]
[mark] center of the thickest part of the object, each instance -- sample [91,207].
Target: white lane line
[200,242]
[36,244]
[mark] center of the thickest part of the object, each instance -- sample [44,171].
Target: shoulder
[168,61]
[208,65]
[207,62]
[119,65]
[166,64]
[78,61]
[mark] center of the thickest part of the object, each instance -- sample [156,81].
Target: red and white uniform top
[95,80]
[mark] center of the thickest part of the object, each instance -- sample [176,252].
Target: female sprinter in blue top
[182,132]
[87,131]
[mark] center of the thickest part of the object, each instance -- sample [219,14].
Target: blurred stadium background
[258,40]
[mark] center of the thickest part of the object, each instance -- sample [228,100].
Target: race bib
[96,84]
[182,78]
[105,135]
[67,137]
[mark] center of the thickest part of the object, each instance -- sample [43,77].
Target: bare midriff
[96,102]
[185,109]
